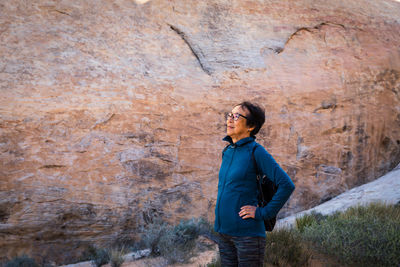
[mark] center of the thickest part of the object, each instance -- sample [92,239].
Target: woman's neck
[238,138]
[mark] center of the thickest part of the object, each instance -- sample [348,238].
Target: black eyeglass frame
[235,116]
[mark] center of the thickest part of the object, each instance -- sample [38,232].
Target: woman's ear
[251,129]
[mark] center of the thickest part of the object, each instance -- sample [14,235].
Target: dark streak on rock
[62,12]
[4,213]
[386,143]
[196,51]
[277,50]
[48,201]
[331,104]
[362,142]
[308,29]
[52,166]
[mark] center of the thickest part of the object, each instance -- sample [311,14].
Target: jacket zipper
[223,188]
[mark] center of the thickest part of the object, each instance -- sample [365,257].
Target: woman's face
[238,129]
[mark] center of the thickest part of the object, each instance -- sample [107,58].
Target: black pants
[242,251]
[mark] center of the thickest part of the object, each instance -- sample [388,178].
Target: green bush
[367,236]
[21,261]
[285,247]
[307,220]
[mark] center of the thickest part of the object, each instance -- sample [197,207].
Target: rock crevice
[198,54]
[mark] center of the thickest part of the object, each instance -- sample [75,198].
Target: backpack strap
[266,189]
[254,159]
[259,176]
[255,162]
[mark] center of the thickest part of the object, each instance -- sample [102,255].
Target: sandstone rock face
[112,112]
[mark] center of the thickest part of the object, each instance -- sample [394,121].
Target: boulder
[112,112]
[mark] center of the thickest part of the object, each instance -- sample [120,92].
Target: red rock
[112,112]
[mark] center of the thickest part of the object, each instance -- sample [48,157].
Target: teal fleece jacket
[237,187]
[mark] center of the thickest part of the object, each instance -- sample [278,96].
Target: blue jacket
[237,187]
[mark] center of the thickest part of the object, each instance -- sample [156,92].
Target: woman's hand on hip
[247,212]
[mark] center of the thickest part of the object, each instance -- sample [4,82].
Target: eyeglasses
[234,116]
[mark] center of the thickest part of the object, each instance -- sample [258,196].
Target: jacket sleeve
[268,166]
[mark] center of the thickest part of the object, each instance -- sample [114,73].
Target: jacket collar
[241,142]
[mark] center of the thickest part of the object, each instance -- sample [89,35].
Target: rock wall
[112,112]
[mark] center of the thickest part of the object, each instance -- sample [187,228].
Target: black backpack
[266,189]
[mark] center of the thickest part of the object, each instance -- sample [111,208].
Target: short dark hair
[256,116]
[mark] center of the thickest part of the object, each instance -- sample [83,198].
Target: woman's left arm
[268,166]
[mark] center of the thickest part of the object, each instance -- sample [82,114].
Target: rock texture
[112,112]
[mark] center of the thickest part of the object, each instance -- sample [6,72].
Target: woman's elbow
[292,187]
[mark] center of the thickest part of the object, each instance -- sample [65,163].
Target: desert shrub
[175,243]
[366,236]
[21,261]
[99,256]
[285,247]
[206,229]
[152,233]
[117,257]
[204,226]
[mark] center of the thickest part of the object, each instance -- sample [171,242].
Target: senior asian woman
[238,221]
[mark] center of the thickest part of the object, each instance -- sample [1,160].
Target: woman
[238,220]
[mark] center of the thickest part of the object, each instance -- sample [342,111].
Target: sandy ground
[201,260]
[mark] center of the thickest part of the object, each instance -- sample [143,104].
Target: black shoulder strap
[259,176]
[254,160]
